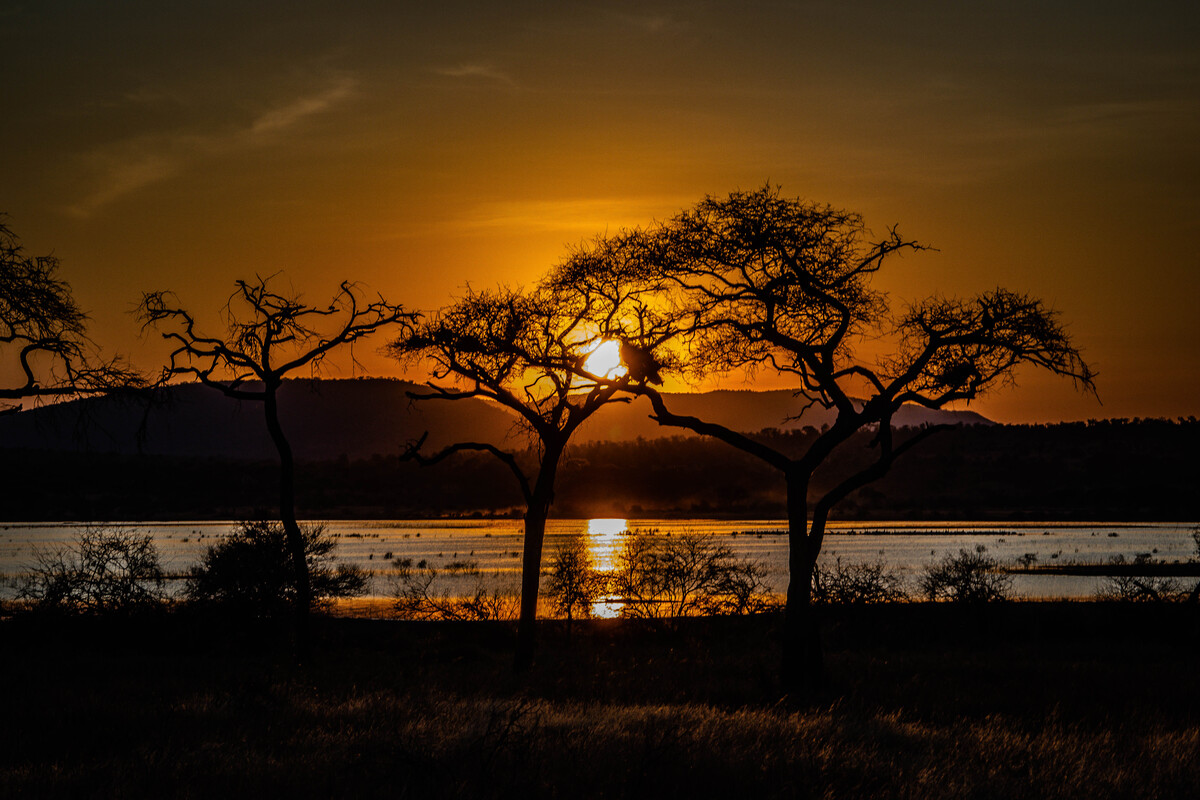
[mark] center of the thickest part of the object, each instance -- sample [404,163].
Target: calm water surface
[495,545]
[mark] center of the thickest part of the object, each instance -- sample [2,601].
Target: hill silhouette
[362,418]
[742,410]
[324,419]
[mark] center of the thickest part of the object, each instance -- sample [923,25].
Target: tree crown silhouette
[756,281]
[46,331]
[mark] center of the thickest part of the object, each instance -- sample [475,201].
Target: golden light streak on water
[607,609]
[604,541]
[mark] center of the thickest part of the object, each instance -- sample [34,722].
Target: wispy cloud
[280,119]
[648,23]
[588,215]
[123,168]
[484,71]
[125,175]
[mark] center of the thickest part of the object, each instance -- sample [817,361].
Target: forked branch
[412,452]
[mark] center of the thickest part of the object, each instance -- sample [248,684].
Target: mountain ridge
[365,417]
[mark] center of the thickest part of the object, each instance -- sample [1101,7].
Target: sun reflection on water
[604,541]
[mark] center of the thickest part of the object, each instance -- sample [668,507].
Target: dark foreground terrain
[1087,700]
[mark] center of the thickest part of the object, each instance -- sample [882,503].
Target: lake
[495,545]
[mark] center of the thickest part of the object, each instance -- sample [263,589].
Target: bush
[966,578]
[1194,595]
[251,571]
[1128,588]
[107,570]
[856,584]
[573,585]
[675,576]
[416,597]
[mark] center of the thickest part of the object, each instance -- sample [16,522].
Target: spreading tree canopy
[758,282]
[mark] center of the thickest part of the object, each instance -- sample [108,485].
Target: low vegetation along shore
[113,689]
[924,700]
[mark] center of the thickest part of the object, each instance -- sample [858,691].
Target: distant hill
[329,419]
[744,410]
[324,419]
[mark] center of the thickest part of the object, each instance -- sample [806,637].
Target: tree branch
[664,417]
[413,453]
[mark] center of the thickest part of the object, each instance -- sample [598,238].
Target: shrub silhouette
[414,587]
[107,570]
[689,573]
[966,578]
[250,571]
[573,584]
[856,584]
[1130,588]
[1194,596]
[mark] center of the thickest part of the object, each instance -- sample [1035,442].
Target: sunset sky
[1048,148]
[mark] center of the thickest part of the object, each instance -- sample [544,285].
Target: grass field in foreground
[1079,700]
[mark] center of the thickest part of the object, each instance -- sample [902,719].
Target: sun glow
[604,541]
[605,360]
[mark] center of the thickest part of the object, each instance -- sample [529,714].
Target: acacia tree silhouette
[269,335]
[43,327]
[528,352]
[762,282]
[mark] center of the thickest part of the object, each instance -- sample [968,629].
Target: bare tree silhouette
[46,332]
[574,584]
[269,334]
[770,283]
[528,352]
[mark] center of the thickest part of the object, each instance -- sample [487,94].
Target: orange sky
[184,145]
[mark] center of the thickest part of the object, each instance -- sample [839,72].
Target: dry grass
[1053,701]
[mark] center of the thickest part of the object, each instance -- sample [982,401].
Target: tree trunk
[531,556]
[291,528]
[531,569]
[803,659]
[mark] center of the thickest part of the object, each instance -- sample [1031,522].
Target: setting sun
[605,360]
